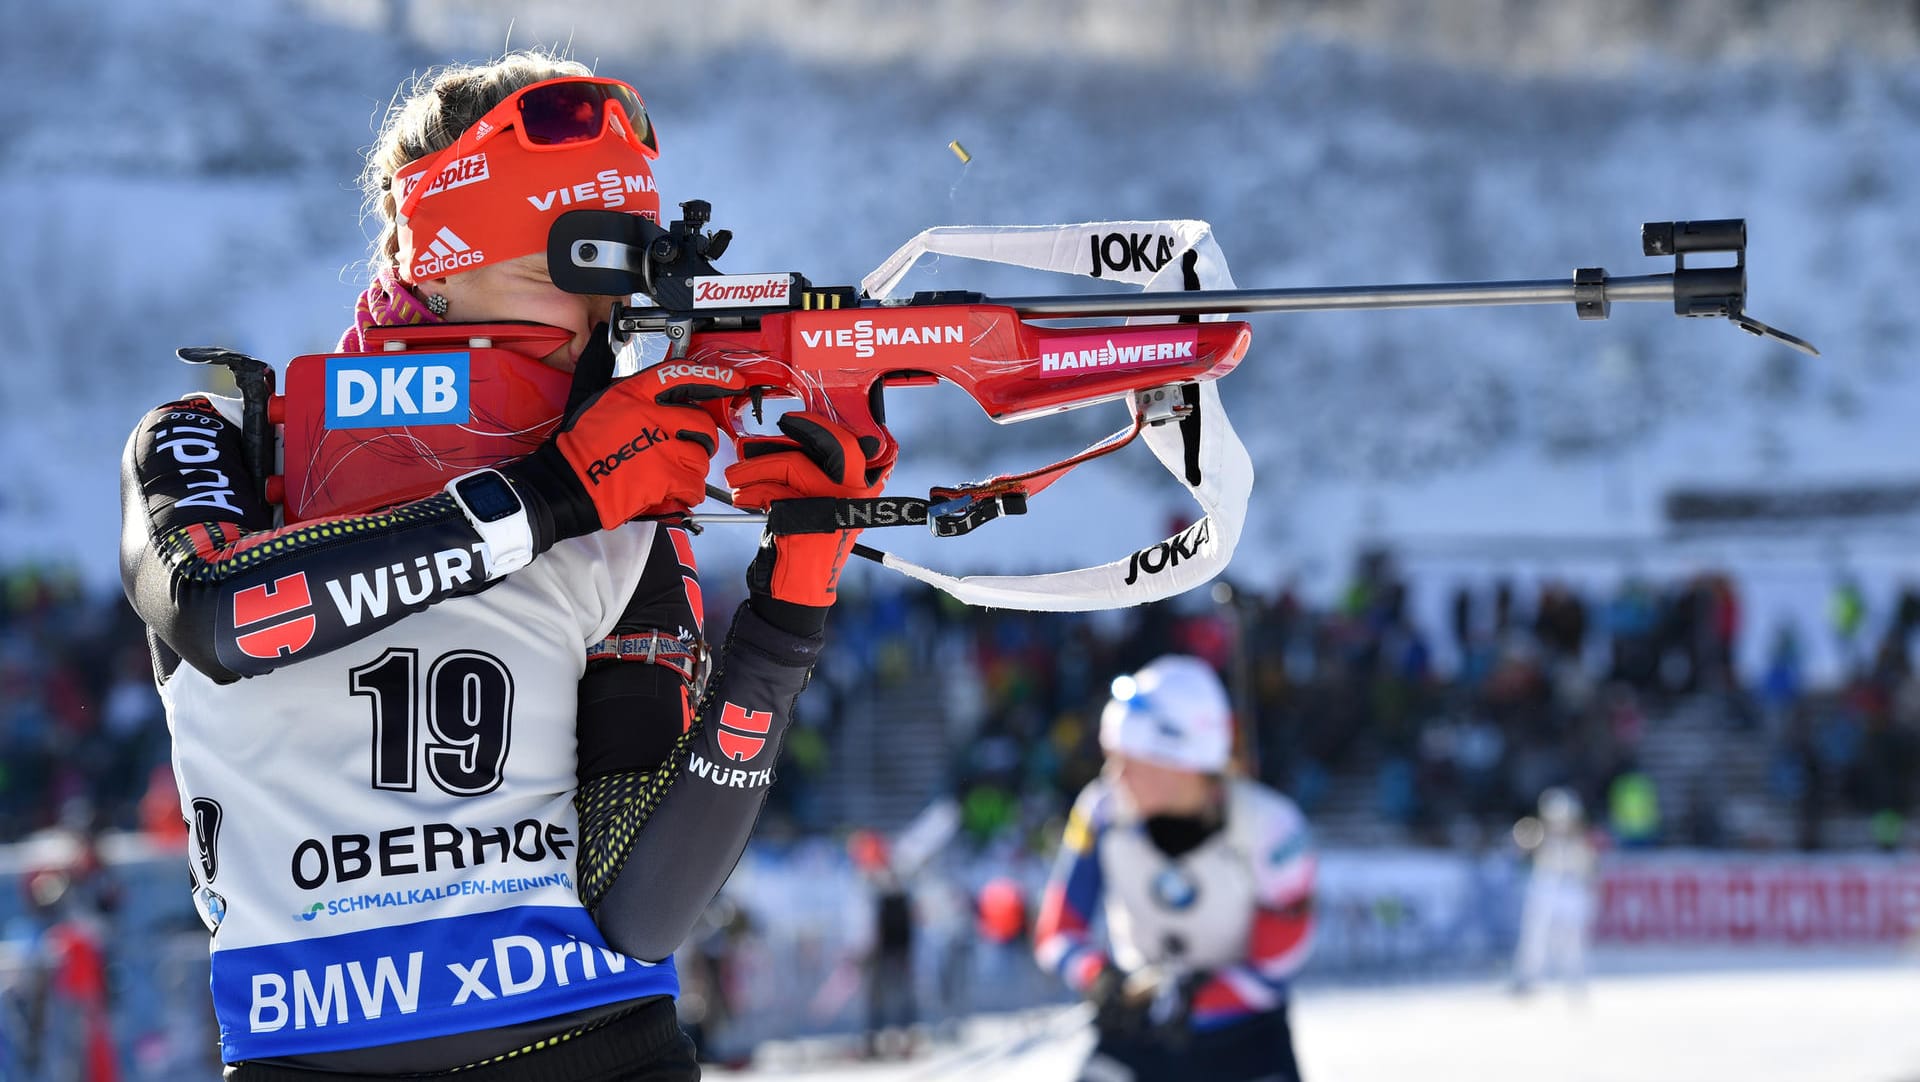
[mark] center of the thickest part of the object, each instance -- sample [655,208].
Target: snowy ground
[1853,1022]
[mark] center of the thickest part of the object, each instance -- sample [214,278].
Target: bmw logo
[1171,888]
[213,905]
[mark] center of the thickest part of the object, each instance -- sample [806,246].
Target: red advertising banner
[1706,900]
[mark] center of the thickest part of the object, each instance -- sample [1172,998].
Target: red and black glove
[817,457]
[640,446]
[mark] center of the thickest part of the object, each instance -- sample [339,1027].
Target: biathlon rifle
[836,349]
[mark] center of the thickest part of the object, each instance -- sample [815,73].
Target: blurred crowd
[1432,734]
[83,738]
[1354,707]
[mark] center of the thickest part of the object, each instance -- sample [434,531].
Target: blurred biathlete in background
[1556,915]
[1206,883]
[453,767]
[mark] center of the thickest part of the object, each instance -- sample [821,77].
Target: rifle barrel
[1646,287]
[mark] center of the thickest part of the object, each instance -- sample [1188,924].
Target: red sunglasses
[558,114]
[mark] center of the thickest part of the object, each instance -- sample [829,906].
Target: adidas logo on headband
[447,253]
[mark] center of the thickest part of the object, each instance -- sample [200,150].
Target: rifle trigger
[754,395]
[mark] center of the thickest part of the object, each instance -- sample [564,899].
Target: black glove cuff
[806,621]
[557,503]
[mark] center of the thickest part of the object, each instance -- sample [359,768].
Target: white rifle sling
[1193,556]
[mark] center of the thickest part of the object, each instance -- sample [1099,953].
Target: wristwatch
[494,508]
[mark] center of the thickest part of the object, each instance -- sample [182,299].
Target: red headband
[498,203]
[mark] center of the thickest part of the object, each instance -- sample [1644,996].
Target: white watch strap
[508,541]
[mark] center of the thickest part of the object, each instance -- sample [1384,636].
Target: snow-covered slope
[181,172]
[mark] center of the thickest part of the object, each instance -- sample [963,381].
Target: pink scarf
[388,302]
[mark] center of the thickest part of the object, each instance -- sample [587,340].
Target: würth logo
[742,732]
[283,602]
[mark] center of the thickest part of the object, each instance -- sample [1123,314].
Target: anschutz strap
[655,647]
[948,513]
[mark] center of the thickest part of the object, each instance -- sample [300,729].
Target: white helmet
[1559,807]
[1174,713]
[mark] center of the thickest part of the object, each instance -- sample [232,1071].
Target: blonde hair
[429,113]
